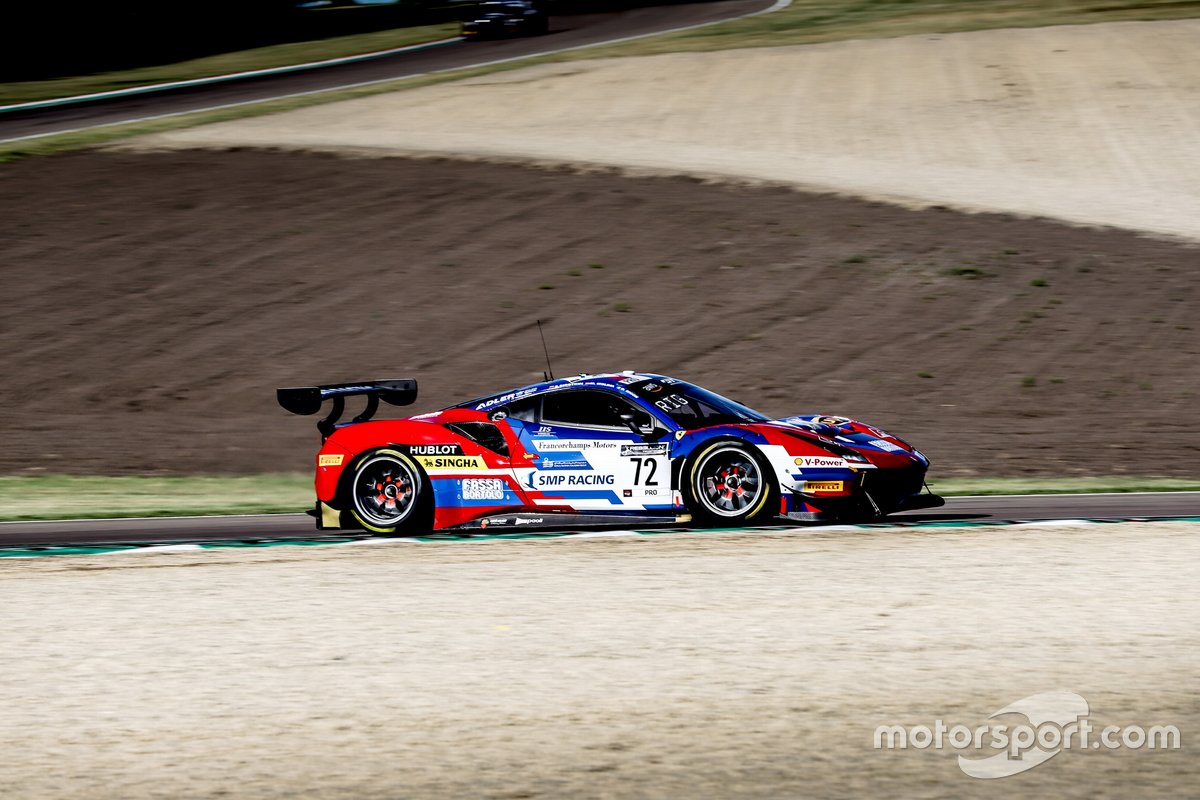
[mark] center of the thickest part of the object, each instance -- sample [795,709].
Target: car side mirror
[647,433]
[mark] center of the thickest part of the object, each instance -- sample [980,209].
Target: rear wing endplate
[306,400]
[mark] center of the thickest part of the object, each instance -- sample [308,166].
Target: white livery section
[790,470]
[602,474]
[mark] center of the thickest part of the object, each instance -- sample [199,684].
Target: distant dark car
[497,18]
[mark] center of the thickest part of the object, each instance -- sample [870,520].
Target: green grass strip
[91,497]
[274,56]
[48,497]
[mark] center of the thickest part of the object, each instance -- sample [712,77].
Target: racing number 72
[651,468]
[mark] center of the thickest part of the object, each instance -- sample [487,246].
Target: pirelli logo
[825,486]
[330,460]
[450,463]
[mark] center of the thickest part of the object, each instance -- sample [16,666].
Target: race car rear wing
[306,400]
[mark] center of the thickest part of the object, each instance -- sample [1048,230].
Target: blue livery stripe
[583,494]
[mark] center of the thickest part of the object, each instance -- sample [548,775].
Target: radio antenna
[546,350]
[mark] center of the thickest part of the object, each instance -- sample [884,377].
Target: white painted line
[599,535]
[375,540]
[158,548]
[779,4]
[232,76]
[830,529]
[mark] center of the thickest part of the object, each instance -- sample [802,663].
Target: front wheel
[728,483]
[388,492]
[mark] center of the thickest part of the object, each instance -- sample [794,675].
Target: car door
[588,459]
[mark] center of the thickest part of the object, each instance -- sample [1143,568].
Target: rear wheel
[388,492]
[730,484]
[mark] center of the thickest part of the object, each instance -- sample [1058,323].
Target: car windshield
[691,407]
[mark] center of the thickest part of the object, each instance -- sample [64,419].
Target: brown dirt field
[154,301]
[707,666]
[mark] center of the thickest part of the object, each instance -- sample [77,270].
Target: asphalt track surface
[179,530]
[566,31]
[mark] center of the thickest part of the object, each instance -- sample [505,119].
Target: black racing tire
[389,493]
[728,483]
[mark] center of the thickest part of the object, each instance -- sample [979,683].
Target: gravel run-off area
[1095,124]
[718,665]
